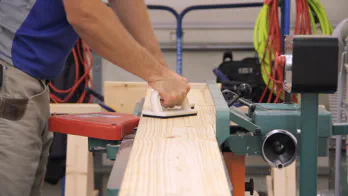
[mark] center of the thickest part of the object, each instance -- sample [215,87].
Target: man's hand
[171,87]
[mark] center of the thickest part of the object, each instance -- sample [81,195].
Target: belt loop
[44,83]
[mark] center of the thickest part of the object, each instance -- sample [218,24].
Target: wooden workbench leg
[79,179]
[236,169]
[284,180]
[79,174]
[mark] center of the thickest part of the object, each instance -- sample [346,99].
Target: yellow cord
[260,40]
[319,10]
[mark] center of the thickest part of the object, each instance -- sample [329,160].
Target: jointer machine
[280,133]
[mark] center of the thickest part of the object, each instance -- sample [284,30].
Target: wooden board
[124,95]
[79,177]
[74,108]
[178,156]
[284,180]
[269,184]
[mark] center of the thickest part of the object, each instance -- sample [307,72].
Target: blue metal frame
[285,21]
[179,32]
[164,8]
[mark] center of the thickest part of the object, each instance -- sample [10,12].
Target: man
[36,37]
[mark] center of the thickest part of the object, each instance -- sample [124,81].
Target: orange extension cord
[273,47]
[86,77]
[303,23]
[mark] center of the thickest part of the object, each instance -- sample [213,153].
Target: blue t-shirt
[35,36]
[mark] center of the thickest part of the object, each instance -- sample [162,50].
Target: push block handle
[156,103]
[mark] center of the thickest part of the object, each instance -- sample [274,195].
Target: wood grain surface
[177,156]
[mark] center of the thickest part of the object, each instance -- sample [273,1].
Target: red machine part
[103,125]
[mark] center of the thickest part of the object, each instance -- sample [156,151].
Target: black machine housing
[314,65]
[235,73]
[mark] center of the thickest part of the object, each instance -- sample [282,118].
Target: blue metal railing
[179,31]
[164,8]
[177,17]
[285,21]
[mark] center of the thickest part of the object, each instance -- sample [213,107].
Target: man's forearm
[134,16]
[100,28]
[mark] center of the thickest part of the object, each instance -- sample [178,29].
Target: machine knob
[249,186]
[244,90]
[278,147]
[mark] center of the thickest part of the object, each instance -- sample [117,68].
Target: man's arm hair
[134,16]
[99,26]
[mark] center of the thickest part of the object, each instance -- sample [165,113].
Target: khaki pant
[24,138]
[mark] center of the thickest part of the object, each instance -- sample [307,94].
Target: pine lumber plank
[124,95]
[284,180]
[178,156]
[269,184]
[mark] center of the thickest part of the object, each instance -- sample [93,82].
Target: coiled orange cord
[86,61]
[303,23]
[273,47]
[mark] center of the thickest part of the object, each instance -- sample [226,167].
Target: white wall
[202,27]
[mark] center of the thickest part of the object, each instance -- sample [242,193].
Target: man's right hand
[171,87]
